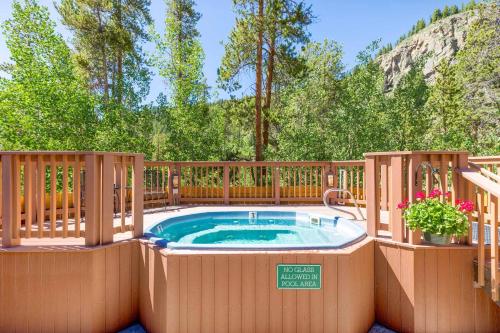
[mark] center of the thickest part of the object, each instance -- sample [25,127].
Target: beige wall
[430,289]
[237,292]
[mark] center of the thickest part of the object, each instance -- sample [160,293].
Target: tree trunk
[269,88]
[258,85]
[104,60]
[119,61]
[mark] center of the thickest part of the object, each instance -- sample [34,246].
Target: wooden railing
[68,194]
[490,163]
[395,176]
[485,193]
[250,182]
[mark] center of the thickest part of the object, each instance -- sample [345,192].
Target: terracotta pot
[437,239]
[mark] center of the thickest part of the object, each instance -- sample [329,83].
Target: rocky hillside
[440,40]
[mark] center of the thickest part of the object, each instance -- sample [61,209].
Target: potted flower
[438,219]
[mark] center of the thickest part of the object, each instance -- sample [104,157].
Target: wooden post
[226,184]
[107,199]
[92,200]
[495,273]
[138,195]
[28,194]
[11,200]
[396,196]
[372,196]
[170,187]
[277,185]
[76,194]
[40,189]
[414,185]
[65,185]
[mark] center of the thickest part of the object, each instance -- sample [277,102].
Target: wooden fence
[68,194]
[251,182]
[394,177]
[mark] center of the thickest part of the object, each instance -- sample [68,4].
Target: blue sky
[352,23]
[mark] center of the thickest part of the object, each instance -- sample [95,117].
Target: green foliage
[407,118]
[186,128]
[107,37]
[92,99]
[436,217]
[43,102]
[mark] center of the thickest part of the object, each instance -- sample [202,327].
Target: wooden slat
[123,192]
[107,199]
[138,195]
[396,196]
[53,195]
[494,257]
[65,185]
[480,238]
[76,194]
[28,194]
[40,188]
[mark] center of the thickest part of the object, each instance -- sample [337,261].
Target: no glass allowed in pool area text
[298,276]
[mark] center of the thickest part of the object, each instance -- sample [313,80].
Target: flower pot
[437,239]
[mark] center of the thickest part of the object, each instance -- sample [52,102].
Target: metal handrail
[325,201]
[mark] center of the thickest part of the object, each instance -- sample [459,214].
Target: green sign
[291,276]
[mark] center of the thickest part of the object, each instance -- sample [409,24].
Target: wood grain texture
[236,292]
[435,288]
[66,290]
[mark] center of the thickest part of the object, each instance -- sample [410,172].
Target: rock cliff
[440,40]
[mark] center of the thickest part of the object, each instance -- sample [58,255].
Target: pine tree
[420,25]
[450,117]
[446,11]
[265,34]
[179,58]
[436,15]
[107,37]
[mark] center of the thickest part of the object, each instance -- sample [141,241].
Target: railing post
[414,237]
[11,200]
[396,196]
[277,185]
[372,196]
[138,195]
[107,198]
[225,182]
[495,273]
[92,200]
[170,172]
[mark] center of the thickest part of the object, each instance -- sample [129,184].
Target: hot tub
[255,230]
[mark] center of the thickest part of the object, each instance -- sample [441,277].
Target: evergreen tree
[186,120]
[407,117]
[450,117]
[274,26]
[436,15]
[420,25]
[446,11]
[43,102]
[107,38]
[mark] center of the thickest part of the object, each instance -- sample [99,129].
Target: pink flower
[403,204]
[466,206]
[447,194]
[420,195]
[457,202]
[435,193]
